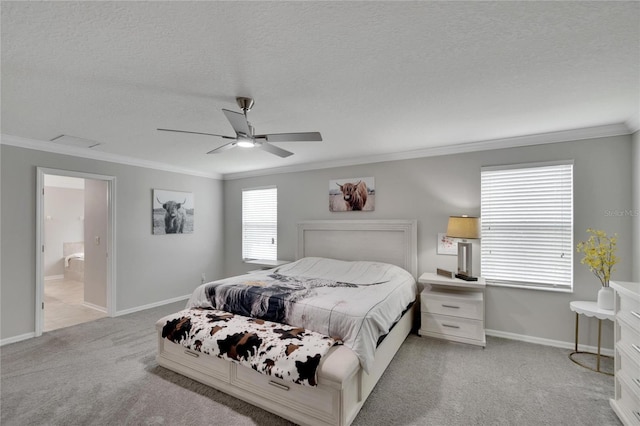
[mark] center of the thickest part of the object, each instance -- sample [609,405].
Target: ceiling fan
[245,134]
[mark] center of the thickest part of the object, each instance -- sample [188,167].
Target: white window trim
[527,165]
[266,260]
[538,286]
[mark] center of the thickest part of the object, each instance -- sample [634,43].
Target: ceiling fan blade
[222,148]
[292,137]
[195,133]
[275,150]
[238,122]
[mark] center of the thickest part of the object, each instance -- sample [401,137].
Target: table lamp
[464,227]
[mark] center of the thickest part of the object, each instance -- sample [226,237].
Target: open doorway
[75,233]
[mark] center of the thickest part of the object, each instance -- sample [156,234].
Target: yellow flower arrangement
[599,254]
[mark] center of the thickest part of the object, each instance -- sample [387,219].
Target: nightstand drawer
[630,318]
[629,305]
[453,303]
[629,371]
[445,325]
[628,403]
[629,338]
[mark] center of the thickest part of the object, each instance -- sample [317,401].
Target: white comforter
[357,302]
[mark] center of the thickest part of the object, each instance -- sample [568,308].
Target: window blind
[260,224]
[527,225]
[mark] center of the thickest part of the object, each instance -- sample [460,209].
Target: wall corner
[635,187]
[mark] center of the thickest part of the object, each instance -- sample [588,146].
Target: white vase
[605,298]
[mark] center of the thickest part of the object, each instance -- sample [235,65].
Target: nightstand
[452,309]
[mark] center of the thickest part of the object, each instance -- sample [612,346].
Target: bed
[348,370]
[73,261]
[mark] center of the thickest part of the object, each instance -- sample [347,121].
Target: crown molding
[21,142]
[615,129]
[608,130]
[633,124]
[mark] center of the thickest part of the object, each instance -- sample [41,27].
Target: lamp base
[464,258]
[466,277]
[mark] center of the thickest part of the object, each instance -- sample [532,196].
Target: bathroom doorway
[75,233]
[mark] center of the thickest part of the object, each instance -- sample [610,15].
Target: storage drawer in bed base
[199,362]
[304,405]
[318,401]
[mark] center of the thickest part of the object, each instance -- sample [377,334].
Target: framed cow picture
[352,194]
[172,212]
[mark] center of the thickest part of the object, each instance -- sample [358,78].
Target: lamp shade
[463,227]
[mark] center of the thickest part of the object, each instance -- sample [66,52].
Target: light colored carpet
[104,373]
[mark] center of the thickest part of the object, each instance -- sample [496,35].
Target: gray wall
[636,206]
[150,268]
[96,229]
[63,209]
[431,189]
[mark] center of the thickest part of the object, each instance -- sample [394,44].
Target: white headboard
[389,241]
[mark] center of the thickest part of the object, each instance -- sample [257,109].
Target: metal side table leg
[599,337]
[577,316]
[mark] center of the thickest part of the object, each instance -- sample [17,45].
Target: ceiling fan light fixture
[245,142]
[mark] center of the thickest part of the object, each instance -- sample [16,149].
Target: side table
[590,309]
[452,309]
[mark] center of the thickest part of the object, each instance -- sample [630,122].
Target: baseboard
[151,305]
[494,333]
[26,336]
[546,342]
[15,339]
[96,307]
[54,277]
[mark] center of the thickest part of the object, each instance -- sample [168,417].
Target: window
[527,225]
[260,224]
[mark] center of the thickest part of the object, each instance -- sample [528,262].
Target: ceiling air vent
[74,141]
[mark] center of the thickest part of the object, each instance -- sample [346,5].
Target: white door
[95,243]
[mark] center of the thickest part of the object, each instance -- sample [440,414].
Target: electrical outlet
[203,278]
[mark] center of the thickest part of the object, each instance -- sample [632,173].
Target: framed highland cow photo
[352,194]
[172,212]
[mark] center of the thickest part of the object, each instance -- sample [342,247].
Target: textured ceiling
[374,78]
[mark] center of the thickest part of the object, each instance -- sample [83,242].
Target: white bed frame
[342,384]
